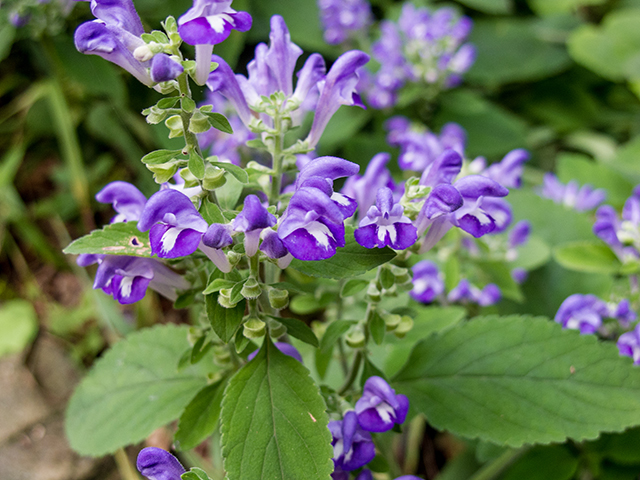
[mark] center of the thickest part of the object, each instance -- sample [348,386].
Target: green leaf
[224,321]
[333,332]
[350,261]
[219,122]
[555,7]
[496,7]
[500,274]
[298,329]
[377,328]
[195,474]
[502,43]
[18,326]
[211,212]
[229,193]
[196,165]
[369,370]
[115,239]
[234,170]
[611,49]
[274,423]
[160,156]
[621,448]
[132,390]
[519,380]
[553,462]
[200,417]
[168,102]
[532,254]
[218,284]
[587,256]
[352,287]
[7,34]
[308,303]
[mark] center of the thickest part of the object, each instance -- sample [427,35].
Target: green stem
[126,470]
[353,373]
[497,466]
[190,138]
[276,178]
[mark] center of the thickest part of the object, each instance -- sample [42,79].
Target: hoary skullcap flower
[365,188]
[465,292]
[629,344]
[385,224]
[428,282]
[582,312]
[206,24]
[572,195]
[352,446]
[379,408]
[126,199]
[175,225]
[253,218]
[157,464]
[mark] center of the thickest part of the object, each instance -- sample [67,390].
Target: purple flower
[312,227]
[582,312]
[572,195]
[285,348]
[213,241]
[466,292]
[427,281]
[385,225]
[206,24]
[127,278]
[342,19]
[338,88]
[164,68]
[282,55]
[379,408]
[253,218]
[352,446]
[629,344]
[365,188]
[175,225]
[519,275]
[114,36]
[623,236]
[519,234]
[126,199]
[479,214]
[623,313]
[223,81]
[508,172]
[157,464]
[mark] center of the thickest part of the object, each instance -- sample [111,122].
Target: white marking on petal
[338,448]
[126,285]
[217,22]
[386,412]
[382,233]
[168,240]
[341,199]
[320,232]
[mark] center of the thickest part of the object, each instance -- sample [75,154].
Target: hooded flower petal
[582,312]
[379,408]
[126,199]
[157,464]
[282,54]
[629,345]
[164,68]
[352,446]
[339,88]
[428,282]
[211,21]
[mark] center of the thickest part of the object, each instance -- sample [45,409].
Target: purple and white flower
[344,19]
[206,24]
[114,36]
[126,278]
[385,225]
[364,189]
[164,68]
[175,226]
[508,171]
[379,408]
[629,344]
[157,464]
[428,281]
[621,234]
[213,241]
[253,218]
[125,198]
[465,292]
[572,195]
[312,227]
[352,446]
[582,312]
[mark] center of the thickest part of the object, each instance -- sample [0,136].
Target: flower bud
[405,325]
[155,115]
[213,178]
[143,53]
[278,299]
[251,289]
[276,329]
[221,355]
[254,328]
[163,172]
[402,274]
[224,298]
[355,337]
[174,124]
[233,257]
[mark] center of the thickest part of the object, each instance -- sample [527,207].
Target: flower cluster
[572,195]
[621,234]
[586,313]
[344,19]
[124,277]
[423,46]
[378,410]
[428,285]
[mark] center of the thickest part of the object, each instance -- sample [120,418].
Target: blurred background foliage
[560,78]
